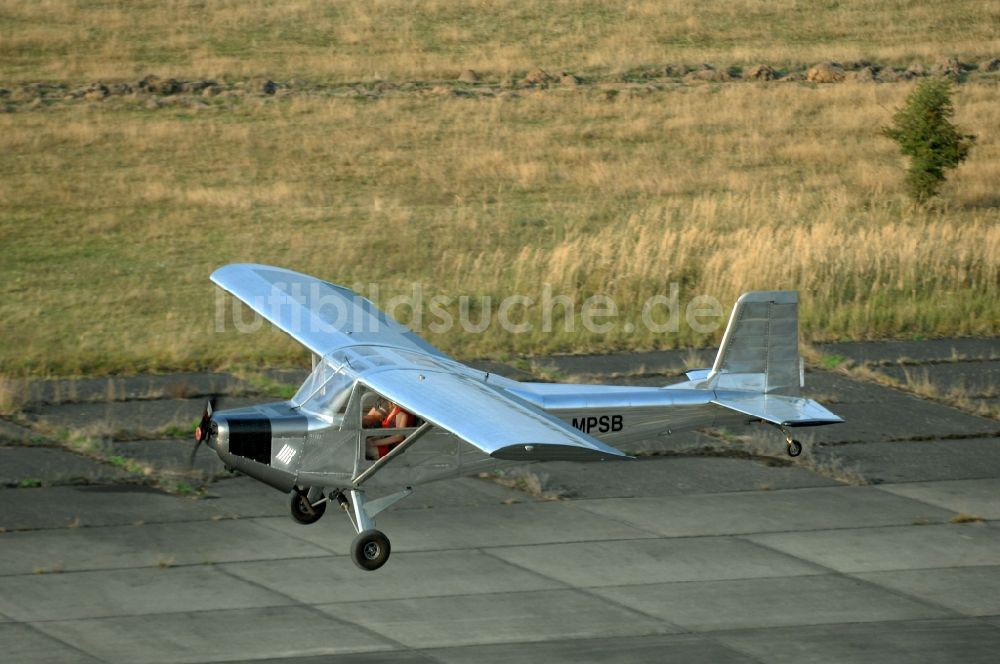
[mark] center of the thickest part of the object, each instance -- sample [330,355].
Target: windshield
[325,392]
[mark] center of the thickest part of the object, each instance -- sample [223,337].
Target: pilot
[386,415]
[379,411]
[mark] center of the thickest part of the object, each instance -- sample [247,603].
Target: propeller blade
[204,430]
[194,451]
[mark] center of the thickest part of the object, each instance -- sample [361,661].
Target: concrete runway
[705,553]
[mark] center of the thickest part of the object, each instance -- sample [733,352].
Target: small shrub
[925,133]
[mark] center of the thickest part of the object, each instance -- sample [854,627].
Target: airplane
[450,420]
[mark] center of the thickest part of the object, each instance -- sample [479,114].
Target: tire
[370,550]
[303,512]
[794,448]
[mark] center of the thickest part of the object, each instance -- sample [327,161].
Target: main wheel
[303,512]
[370,549]
[794,448]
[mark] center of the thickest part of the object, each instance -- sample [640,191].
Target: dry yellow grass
[114,213]
[962,517]
[919,381]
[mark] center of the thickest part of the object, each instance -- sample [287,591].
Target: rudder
[760,348]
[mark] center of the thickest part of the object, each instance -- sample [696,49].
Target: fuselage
[286,446]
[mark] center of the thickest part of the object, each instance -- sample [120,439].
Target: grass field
[399,39]
[113,212]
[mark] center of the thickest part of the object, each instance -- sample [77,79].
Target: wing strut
[393,453]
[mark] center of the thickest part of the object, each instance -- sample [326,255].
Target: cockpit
[327,391]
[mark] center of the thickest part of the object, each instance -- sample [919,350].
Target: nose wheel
[370,549]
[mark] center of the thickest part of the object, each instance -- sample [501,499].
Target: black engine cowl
[246,436]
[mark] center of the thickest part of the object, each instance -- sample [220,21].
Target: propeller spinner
[204,430]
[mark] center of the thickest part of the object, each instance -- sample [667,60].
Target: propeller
[204,430]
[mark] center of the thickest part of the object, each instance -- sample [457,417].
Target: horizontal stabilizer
[780,410]
[696,375]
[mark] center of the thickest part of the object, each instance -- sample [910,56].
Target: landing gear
[794,447]
[307,506]
[370,549]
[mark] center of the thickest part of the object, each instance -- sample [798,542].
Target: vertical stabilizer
[760,349]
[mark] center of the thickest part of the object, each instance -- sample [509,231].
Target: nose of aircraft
[219,434]
[247,432]
[243,434]
[205,431]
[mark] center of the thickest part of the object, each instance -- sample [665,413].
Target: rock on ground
[157,85]
[761,73]
[263,86]
[825,72]
[709,74]
[993,64]
[538,76]
[864,75]
[949,67]
[568,80]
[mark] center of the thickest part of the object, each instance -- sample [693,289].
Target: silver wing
[319,315]
[502,425]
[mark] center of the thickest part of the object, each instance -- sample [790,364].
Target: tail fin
[760,349]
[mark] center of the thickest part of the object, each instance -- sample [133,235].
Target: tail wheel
[304,512]
[370,550]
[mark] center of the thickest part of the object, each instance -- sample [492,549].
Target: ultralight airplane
[332,443]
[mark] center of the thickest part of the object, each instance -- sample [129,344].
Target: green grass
[126,463]
[269,386]
[831,362]
[183,489]
[179,432]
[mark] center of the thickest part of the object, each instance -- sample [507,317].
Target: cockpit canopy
[327,390]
